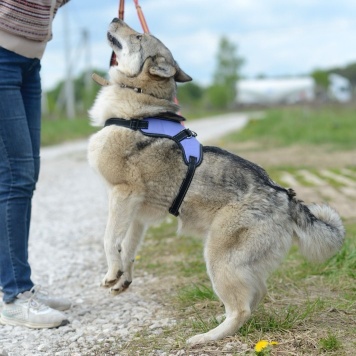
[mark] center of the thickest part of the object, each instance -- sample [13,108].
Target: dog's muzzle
[114,41]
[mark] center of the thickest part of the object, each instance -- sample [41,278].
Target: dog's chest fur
[151,168]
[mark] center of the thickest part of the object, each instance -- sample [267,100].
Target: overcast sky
[275,37]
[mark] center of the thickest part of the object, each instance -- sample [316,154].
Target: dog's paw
[120,287]
[111,279]
[198,339]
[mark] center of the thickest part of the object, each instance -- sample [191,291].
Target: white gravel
[67,257]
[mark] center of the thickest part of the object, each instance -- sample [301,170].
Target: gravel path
[67,255]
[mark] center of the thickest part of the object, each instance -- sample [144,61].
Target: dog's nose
[115,19]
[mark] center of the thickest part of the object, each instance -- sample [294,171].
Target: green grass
[196,292]
[334,126]
[61,130]
[330,343]
[281,319]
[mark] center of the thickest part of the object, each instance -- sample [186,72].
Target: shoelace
[33,302]
[37,289]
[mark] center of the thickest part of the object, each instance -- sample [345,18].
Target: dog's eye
[135,39]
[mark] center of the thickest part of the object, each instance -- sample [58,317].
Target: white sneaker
[51,301]
[27,310]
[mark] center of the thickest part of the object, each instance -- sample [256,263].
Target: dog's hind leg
[235,282]
[237,296]
[122,207]
[129,249]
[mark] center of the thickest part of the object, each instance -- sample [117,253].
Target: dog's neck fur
[116,100]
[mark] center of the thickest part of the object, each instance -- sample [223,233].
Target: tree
[84,95]
[321,78]
[222,93]
[189,93]
[348,72]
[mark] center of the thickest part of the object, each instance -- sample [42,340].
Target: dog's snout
[115,19]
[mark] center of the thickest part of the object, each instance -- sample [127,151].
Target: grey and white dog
[248,221]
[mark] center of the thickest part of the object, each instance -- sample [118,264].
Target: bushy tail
[318,228]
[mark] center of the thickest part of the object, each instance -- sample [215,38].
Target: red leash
[121,9]
[141,17]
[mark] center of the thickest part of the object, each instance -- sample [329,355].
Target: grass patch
[61,130]
[330,343]
[196,292]
[282,319]
[334,126]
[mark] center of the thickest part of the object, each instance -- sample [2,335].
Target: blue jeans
[20,125]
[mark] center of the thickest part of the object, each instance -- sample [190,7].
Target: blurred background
[240,53]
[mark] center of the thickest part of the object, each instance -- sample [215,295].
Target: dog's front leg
[121,212]
[130,246]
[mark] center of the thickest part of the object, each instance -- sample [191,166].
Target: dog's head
[144,64]
[136,52]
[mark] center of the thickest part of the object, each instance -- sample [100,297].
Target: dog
[247,220]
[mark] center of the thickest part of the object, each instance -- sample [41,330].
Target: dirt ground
[297,156]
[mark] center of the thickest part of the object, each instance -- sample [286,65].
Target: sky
[275,37]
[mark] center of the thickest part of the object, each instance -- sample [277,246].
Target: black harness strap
[133,124]
[184,187]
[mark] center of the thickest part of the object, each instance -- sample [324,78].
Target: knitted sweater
[26,26]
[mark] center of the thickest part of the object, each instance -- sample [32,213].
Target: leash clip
[192,133]
[184,134]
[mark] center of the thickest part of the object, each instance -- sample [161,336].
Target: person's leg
[20,121]
[31,95]
[17,177]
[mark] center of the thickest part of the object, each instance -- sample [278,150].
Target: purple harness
[185,139]
[174,130]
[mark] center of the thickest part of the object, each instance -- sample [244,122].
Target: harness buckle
[134,124]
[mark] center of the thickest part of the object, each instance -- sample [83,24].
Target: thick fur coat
[248,222]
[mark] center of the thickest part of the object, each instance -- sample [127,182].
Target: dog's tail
[318,228]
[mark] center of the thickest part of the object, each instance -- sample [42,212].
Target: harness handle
[174,209]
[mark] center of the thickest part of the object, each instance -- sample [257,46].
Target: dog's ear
[162,69]
[182,77]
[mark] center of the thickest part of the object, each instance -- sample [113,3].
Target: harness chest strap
[165,128]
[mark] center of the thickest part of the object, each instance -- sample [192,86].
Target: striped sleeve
[29,19]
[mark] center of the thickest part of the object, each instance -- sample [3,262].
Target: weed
[196,292]
[281,318]
[264,347]
[200,325]
[330,343]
